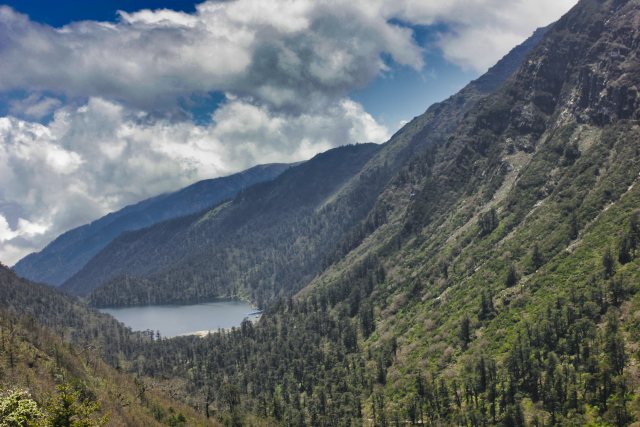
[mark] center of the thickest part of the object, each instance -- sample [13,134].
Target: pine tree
[465,332]
[536,257]
[574,230]
[624,250]
[512,276]
[487,310]
[608,264]
[488,222]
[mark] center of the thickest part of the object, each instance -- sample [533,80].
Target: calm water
[173,320]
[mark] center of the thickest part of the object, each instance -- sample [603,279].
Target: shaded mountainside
[67,254]
[263,242]
[495,279]
[62,363]
[261,251]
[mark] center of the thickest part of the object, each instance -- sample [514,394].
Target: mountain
[274,238]
[67,254]
[51,357]
[493,279]
[480,268]
[263,241]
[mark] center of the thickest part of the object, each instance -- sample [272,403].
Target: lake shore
[254,319]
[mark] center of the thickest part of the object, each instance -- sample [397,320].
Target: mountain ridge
[70,251]
[273,205]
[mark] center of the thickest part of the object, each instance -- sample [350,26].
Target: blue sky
[404,92]
[104,103]
[62,12]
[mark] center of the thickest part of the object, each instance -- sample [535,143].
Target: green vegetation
[485,287]
[56,375]
[266,243]
[479,269]
[17,409]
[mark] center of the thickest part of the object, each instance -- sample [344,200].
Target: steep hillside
[66,255]
[263,242]
[62,363]
[499,285]
[262,250]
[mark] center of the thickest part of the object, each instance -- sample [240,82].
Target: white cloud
[317,51]
[290,53]
[35,106]
[6,233]
[101,156]
[13,242]
[480,31]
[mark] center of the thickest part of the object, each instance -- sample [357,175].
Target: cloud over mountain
[98,157]
[115,93]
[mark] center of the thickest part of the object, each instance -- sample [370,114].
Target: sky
[107,102]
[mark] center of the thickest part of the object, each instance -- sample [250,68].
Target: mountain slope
[158,270]
[67,254]
[52,346]
[500,287]
[249,241]
[498,273]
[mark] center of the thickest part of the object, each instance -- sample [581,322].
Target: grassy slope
[427,328]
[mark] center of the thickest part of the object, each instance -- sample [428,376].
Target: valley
[480,268]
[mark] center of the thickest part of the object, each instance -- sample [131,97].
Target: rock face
[591,65]
[66,255]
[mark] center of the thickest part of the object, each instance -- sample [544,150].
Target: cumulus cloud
[35,106]
[480,32]
[290,54]
[96,158]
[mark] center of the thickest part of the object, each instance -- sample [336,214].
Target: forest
[480,268]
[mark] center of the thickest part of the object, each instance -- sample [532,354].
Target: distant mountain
[247,246]
[67,254]
[274,238]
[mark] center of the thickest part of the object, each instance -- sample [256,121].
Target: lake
[174,320]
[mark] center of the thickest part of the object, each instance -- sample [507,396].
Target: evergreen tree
[487,310]
[536,257]
[512,276]
[488,222]
[574,229]
[608,263]
[624,250]
[465,332]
